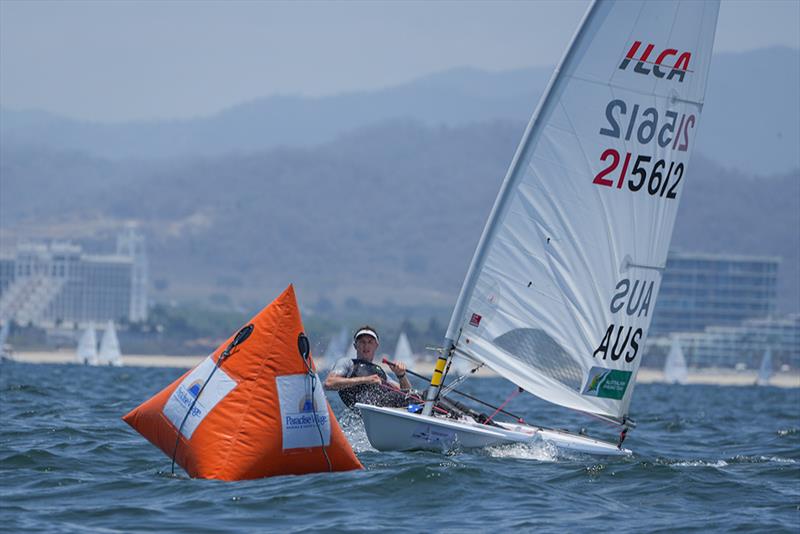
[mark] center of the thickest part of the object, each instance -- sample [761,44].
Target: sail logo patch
[648,63]
[606,383]
[304,414]
[475,320]
[185,394]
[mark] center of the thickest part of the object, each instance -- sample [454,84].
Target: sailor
[362,380]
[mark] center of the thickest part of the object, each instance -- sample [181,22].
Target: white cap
[366,332]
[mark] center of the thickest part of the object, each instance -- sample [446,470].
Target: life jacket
[374,394]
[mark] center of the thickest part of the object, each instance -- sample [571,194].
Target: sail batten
[561,289]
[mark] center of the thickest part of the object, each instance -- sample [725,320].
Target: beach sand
[129,360]
[719,377]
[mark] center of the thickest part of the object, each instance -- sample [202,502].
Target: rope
[517,392]
[412,397]
[191,407]
[313,377]
[465,395]
[240,337]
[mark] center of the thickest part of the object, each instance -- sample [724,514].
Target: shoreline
[646,375]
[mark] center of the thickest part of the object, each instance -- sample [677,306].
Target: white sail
[562,287]
[110,353]
[331,349]
[675,371]
[86,352]
[351,352]
[765,371]
[403,352]
[5,331]
[337,347]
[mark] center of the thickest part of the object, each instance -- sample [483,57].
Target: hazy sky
[118,60]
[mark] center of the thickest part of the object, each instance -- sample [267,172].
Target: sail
[351,352]
[5,349]
[562,287]
[110,353]
[403,352]
[765,371]
[337,347]
[87,347]
[4,331]
[675,366]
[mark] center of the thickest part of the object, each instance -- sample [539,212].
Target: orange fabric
[241,437]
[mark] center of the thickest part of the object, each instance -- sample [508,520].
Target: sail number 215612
[659,179]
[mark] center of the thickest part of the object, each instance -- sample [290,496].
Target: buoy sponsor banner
[186,393]
[303,416]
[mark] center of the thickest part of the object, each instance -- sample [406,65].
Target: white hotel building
[52,284]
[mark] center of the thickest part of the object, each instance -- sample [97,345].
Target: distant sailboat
[110,353]
[351,352]
[5,348]
[87,347]
[675,367]
[337,347]
[765,371]
[403,352]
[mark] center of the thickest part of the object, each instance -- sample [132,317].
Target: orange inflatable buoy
[254,408]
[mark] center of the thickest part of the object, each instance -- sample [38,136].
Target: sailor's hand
[399,369]
[372,379]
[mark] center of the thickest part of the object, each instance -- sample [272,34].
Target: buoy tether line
[238,339]
[304,347]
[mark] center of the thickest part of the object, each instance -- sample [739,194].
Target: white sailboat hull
[396,429]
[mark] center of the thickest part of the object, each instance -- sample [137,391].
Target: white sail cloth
[675,371]
[561,291]
[403,352]
[110,353]
[86,353]
[765,370]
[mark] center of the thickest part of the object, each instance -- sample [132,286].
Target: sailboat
[560,292]
[351,352]
[765,371]
[86,352]
[5,348]
[337,347]
[403,352]
[110,353]
[675,371]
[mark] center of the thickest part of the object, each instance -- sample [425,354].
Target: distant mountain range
[387,213]
[751,122]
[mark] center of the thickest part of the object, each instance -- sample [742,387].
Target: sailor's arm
[335,382]
[399,370]
[405,384]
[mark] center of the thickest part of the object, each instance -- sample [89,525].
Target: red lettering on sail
[657,68]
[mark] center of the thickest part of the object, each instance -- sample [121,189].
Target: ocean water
[706,458]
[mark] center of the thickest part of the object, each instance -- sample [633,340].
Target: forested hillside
[390,211]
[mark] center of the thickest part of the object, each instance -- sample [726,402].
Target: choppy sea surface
[706,458]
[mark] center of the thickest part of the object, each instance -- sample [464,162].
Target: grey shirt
[343,367]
